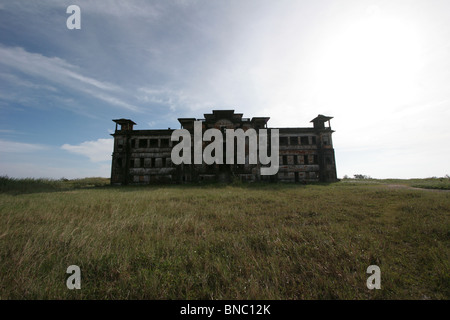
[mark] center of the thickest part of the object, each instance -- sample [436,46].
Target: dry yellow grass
[262,241]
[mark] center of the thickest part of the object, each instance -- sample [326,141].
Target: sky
[380,68]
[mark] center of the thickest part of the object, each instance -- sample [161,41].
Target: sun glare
[373,60]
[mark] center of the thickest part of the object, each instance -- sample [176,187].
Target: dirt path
[402,186]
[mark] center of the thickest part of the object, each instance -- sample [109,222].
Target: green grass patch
[31,185]
[436,183]
[215,241]
[442,183]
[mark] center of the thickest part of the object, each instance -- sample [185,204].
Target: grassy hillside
[249,241]
[20,186]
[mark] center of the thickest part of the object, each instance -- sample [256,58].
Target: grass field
[239,241]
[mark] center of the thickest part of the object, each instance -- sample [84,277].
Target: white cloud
[97,151]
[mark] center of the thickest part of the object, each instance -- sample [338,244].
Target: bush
[361,176]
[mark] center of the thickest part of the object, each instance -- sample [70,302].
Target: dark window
[119,162]
[305,159]
[142,143]
[316,161]
[142,162]
[164,143]
[153,143]
[304,140]
[314,140]
[163,162]
[133,143]
[152,162]
[294,140]
[283,141]
[285,160]
[295,159]
[131,163]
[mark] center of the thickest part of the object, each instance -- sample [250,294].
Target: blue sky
[381,68]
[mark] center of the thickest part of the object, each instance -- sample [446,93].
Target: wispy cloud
[20,147]
[171,98]
[24,83]
[114,8]
[60,73]
[9,131]
[23,169]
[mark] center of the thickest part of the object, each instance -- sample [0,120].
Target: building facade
[144,156]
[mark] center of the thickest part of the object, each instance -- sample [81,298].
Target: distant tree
[361,176]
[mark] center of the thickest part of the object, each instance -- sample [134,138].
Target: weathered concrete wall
[144,156]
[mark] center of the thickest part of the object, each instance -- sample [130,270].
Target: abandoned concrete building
[144,156]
